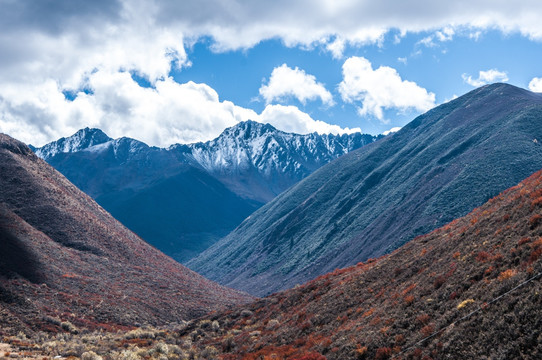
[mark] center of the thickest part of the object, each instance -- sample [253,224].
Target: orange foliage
[482,256]
[409,299]
[507,274]
[409,289]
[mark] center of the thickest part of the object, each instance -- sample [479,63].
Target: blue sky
[167,72]
[238,75]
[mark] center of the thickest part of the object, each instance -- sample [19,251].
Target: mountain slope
[183,199]
[469,290]
[372,200]
[63,257]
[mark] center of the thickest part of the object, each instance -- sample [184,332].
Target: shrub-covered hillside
[64,261]
[469,290]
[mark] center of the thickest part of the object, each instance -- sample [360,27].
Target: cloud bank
[166,114]
[89,47]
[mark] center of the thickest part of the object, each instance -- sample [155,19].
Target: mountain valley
[184,198]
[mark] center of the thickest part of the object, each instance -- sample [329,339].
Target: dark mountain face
[369,202]
[63,257]
[469,290]
[183,199]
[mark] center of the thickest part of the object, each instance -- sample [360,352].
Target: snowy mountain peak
[81,140]
[254,158]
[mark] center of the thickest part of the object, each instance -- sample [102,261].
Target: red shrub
[383,353]
[409,299]
[535,220]
[423,319]
[524,240]
[439,281]
[427,330]
[536,202]
[483,256]
[400,339]
[312,356]
[535,255]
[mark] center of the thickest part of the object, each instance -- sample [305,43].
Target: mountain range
[184,198]
[372,200]
[468,290]
[66,263]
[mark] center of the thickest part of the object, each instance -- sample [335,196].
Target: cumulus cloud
[536,84]
[291,119]
[392,130]
[287,82]
[165,114]
[486,77]
[379,89]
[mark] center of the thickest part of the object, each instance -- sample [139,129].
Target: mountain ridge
[376,198]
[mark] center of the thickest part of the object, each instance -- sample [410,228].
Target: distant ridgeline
[184,198]
[437,168]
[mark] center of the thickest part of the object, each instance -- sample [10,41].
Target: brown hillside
[471,289]
[65,259]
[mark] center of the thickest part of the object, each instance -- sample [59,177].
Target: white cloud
[166,114]
[446,34]
[285,82]
[291,119]
[47,47]
[392,130]
[536,85]
[486,77]
[336,47]
[380,89]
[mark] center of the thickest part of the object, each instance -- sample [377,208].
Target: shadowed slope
[66,258]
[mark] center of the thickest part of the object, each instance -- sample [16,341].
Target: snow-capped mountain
[257,161]
[184,198]
[83,139]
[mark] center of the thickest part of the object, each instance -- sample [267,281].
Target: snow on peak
[81,140]
[250,144]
